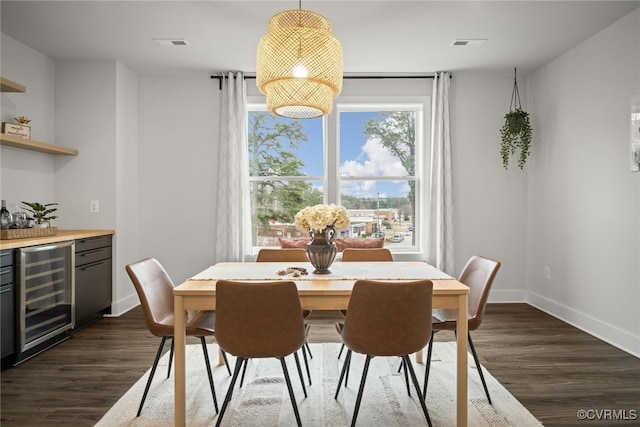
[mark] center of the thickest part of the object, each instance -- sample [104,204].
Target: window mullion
[331,179]
[286,178]
[378,178]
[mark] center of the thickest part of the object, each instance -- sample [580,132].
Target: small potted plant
[516,133]
[40,213]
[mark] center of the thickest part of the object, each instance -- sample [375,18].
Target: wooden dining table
[320,292]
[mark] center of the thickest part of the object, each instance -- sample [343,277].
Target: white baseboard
[604,331]
[119,308]
[508,296]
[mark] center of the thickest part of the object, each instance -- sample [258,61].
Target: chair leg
[406,376]
[428,365]
[341,350]
[307,328]
[344,370]
[348,365]
[360,390]
[306,363]
[244,371]
[304,389]
[170,358]
[209,374]
[236,372]
[479,368]
[153,371]
[306,345]
[291,395]
[226,361]
[408,366]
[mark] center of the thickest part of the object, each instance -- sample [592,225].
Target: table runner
[395,270]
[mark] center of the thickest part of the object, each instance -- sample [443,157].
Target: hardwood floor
[550,367]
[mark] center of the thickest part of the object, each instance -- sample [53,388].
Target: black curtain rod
[383,77]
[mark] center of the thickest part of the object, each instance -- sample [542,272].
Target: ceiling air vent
[469,42]
[171,42]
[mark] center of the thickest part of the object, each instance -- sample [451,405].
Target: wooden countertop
[62,236]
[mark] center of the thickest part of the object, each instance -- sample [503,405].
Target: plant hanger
[516,132]
[515,95]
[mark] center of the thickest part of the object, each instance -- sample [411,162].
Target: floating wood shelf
[9,86]
[30,144]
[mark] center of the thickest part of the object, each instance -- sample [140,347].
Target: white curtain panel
[233,214]
[440,210]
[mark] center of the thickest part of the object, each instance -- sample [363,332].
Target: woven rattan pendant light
[299,65]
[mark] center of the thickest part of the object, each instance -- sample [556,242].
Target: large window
[368,157]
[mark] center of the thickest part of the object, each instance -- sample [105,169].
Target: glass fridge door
[46,277]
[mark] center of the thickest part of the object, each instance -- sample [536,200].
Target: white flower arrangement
[319,217]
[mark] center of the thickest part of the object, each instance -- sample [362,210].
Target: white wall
[96,113]
[178,123]
[126,241]
[85,116]
[489,202]
[583,202]
[27,175]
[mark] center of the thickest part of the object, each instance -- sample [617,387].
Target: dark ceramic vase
[321,250]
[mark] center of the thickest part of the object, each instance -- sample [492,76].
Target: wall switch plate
[547,272]
[94,206]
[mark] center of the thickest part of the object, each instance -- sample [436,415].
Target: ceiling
[378,37]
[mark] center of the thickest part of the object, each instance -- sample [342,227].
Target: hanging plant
[516,132]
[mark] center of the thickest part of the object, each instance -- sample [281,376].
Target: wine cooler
[46,277]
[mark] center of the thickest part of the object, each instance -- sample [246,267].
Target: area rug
[264,401]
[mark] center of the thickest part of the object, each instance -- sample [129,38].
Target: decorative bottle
[6,220]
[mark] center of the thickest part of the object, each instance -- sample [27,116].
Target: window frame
[421,105]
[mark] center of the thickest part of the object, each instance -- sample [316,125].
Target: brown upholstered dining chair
[387,319]
[478,275]
[290,255]
[282,255]
[364,255]
[155,290]
[372,254]
[259,320]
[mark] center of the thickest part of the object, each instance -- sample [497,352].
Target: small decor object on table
[322,222]
[293,271]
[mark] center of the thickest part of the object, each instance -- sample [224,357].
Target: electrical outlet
[547,272]
[94,206]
